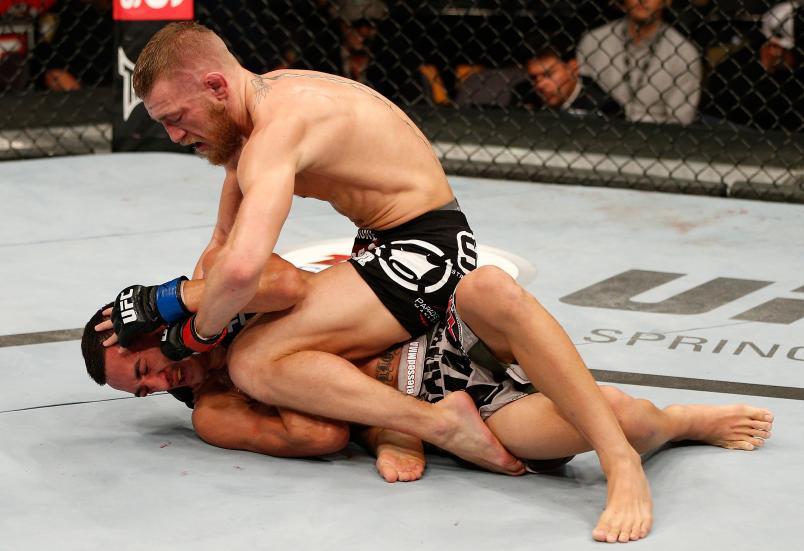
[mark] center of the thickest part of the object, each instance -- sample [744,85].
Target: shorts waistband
[452,205]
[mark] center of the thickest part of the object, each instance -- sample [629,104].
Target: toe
[601,532]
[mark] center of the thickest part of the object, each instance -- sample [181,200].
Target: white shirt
[664,72]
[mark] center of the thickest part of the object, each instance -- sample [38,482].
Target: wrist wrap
[196,343]
[168,300]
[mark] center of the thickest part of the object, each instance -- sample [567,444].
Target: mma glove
[138,309]
[181,340]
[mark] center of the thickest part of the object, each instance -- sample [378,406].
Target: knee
[252,373]
[289,284]
[489,287]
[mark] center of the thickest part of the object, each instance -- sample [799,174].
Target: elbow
[289,285]
[207,429]
[240,272]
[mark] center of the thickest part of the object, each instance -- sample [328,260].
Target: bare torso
[359,151]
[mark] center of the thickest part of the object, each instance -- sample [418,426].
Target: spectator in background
[555,83]
[359,20]
[17,30]
[649,68]
[76,45]
[760,86]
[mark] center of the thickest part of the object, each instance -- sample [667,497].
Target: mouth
[178,377]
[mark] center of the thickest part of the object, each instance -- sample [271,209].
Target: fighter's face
[553,79]
[143,370]
[644,11]
[191,118]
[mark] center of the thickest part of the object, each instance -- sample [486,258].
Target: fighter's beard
[225,139]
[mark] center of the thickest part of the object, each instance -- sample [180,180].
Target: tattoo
[262,91]
[384,371]
[260,88]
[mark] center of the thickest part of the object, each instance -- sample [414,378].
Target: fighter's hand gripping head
[139,310]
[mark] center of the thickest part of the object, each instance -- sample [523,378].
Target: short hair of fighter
[92,346]
[142,369]
[176,45]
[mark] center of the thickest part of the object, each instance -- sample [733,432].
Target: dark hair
[550,51]
[558,45]
[92,347]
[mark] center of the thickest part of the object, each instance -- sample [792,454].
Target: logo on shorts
[412,357]
[408,268]
[322,255]
[452,323]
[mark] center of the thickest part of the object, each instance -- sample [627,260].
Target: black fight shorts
[414,268]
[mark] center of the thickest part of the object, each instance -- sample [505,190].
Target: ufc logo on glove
[127,311]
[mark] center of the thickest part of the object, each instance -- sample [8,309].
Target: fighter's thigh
[533,428]
[339,314]
[486,299]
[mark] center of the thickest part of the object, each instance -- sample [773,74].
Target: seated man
[648,67]
[556,84]
[434,368]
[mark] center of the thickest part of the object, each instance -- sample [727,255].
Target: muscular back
[358,151]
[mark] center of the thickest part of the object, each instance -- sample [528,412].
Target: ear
[217,85]
[572,64]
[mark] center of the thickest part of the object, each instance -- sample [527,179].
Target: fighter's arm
[266,174]
[226,418]
[227,209]
[281,286]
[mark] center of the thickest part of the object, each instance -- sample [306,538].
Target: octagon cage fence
[689,96]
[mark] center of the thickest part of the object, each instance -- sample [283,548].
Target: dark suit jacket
[591,101]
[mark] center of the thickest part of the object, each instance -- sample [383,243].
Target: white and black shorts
[442,362]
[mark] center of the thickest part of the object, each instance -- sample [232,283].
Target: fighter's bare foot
[736,427]
[400,457]
[628,515]
[468,437]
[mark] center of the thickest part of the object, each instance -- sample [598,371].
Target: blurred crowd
[727,62]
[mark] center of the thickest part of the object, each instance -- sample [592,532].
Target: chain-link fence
[55,77]
[695,96]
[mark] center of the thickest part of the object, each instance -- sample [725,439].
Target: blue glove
[138,309]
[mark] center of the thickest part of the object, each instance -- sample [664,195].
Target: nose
[157,382]
[544,85]
[176,134]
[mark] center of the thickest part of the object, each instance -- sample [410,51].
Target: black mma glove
[181,340]
[138,309]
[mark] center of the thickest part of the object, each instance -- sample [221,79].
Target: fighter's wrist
[169,302]
[201,338]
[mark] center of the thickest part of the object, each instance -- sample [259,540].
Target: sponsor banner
[320,256]
[152,10]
